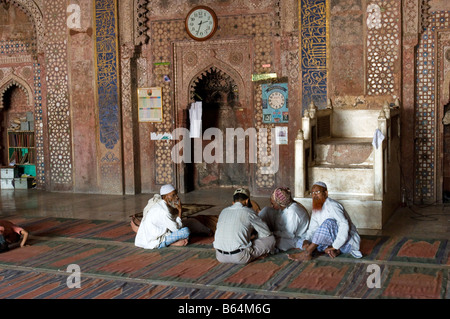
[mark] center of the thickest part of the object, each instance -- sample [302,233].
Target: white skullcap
[321,184]
[166,189]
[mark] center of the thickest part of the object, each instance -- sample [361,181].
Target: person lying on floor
[287,219]
[10,233]
[233,238]
[161,225]
[330,229]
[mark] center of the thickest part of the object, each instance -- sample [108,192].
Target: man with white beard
[161,225]
[330,229]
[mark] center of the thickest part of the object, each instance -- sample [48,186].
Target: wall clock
[201,23]
[276,100]
[275,103]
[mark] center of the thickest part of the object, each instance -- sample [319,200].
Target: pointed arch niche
[219,74]
[14,105]
[22,81]
[13,80]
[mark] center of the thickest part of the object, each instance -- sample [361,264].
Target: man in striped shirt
[233,239]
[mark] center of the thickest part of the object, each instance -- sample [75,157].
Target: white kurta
[288,225]
[332,209]
[155,225]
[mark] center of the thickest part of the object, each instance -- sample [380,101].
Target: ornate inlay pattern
[58,106]
[58,114]
[411,16]
[141,28]
[383,45]
[35,14]
[38,128]
[426,106]
[18,46]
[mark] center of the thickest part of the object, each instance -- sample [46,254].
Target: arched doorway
[219,74]
[219,95]
[22,84]
[17,140]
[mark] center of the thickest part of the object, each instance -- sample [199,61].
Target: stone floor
[432,221]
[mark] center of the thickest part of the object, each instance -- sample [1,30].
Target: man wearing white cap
[161,224]
[330,229]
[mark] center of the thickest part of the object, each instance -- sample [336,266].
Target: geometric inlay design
[58,105]
[383,45]
[426,106]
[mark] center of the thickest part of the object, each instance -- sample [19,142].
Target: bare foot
[301,256]
[180,243]
[333,252]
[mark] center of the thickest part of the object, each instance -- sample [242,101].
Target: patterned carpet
[112,267]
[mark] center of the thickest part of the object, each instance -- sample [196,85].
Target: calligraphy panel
[314,47]
[107,74]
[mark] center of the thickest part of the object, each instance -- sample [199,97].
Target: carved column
[132,22]
[129,120]
[411,26]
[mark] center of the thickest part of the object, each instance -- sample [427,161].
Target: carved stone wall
[383,47]
[232,60]
[411,29]
[443,100]
[58,110]
[56,66]
[429,108]
[270,44]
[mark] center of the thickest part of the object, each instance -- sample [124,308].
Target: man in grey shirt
[233,238]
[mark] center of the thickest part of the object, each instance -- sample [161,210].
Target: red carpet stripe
[197,269]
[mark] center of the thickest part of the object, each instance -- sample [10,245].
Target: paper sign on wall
[281,135]
[150,104]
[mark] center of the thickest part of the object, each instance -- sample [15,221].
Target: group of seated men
[244,232]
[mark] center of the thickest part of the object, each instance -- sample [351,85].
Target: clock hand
[199,26]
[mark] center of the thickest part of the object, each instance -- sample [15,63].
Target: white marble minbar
[355,152]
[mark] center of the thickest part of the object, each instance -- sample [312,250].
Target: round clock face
[201,23]
[276,100]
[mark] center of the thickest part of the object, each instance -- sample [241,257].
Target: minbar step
[344,151]
[344,180]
